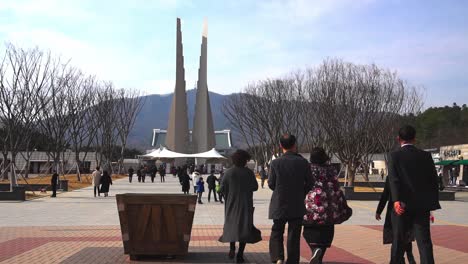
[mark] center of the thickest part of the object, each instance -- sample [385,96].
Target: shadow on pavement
[115,255]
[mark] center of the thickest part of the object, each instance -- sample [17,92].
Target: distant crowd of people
[307,197]
[144,171]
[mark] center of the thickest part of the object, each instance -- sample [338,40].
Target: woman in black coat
[238,185]
[106,181]
[387,231]
[184,180]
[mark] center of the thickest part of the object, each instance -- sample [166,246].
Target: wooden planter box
[156,224]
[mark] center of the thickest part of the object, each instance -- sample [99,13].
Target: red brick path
[352,244]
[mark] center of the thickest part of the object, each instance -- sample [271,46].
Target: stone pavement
[78,228]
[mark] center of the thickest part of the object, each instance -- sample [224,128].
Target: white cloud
[158,86]
[25,9]
[303,11]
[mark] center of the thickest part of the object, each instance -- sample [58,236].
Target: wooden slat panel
[170,223]
[155,224]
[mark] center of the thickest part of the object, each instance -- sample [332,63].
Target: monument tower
[177,137]
[203,136]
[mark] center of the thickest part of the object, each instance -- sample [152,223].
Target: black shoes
[240,259]
[231,254]
[411,259]
[316,256]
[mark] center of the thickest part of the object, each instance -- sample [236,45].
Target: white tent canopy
[164,153]
[211,154]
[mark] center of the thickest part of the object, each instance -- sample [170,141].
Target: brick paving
[78,228]
[98,244]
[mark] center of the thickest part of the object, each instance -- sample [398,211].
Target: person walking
[130,174]
[184,180]
[200,189]
[144,172]
[382,173]
[106,182]
[139,175]
[53,183]
[195,176]
[290,179]
[325,206]
[154,170]
[385,199]
[162,173]
[238,186]
[414,190]
[218,190]
[211,180]
[263,176]
[96,180]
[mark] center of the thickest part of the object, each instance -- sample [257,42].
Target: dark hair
[318,156]
[287,141]
[240,158]
[105,173]
[97,167]
[407,133]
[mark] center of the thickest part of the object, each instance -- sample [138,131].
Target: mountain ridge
[155,114]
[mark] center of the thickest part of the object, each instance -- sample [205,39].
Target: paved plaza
[75,227]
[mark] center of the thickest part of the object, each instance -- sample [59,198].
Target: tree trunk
[351,173]
[13,181]
[5,166]
[78,166]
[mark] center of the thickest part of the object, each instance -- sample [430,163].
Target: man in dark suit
[414,190]
[53,183]
[290,179]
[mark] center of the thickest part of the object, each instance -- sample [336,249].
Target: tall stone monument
[177,137]
[203,136]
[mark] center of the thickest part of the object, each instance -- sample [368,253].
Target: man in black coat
[53,183]
[211,180]
[162,173]
[130,174]
[414,190]
[290,179]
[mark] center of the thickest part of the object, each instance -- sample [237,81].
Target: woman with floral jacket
[325,206]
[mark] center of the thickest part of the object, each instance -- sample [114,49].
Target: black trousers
[54,190]
[419,221]
[214,194]
[200,196]
[163,179]
[263,182]
[130,176]
[293,243]
[96,188]
[152,178]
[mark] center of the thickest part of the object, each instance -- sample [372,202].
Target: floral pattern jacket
[325,203]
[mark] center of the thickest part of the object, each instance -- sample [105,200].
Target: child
[200,189]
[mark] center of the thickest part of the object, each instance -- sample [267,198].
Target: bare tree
[25,76]
[105,118]
[353,102]
[129,104]
[55,117]
[81,134]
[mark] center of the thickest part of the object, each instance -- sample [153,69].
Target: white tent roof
[164,153]
[152,154]
[211,154]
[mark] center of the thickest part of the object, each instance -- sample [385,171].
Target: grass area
[367,189]
[73,183]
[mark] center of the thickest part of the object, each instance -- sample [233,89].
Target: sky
[132,43]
